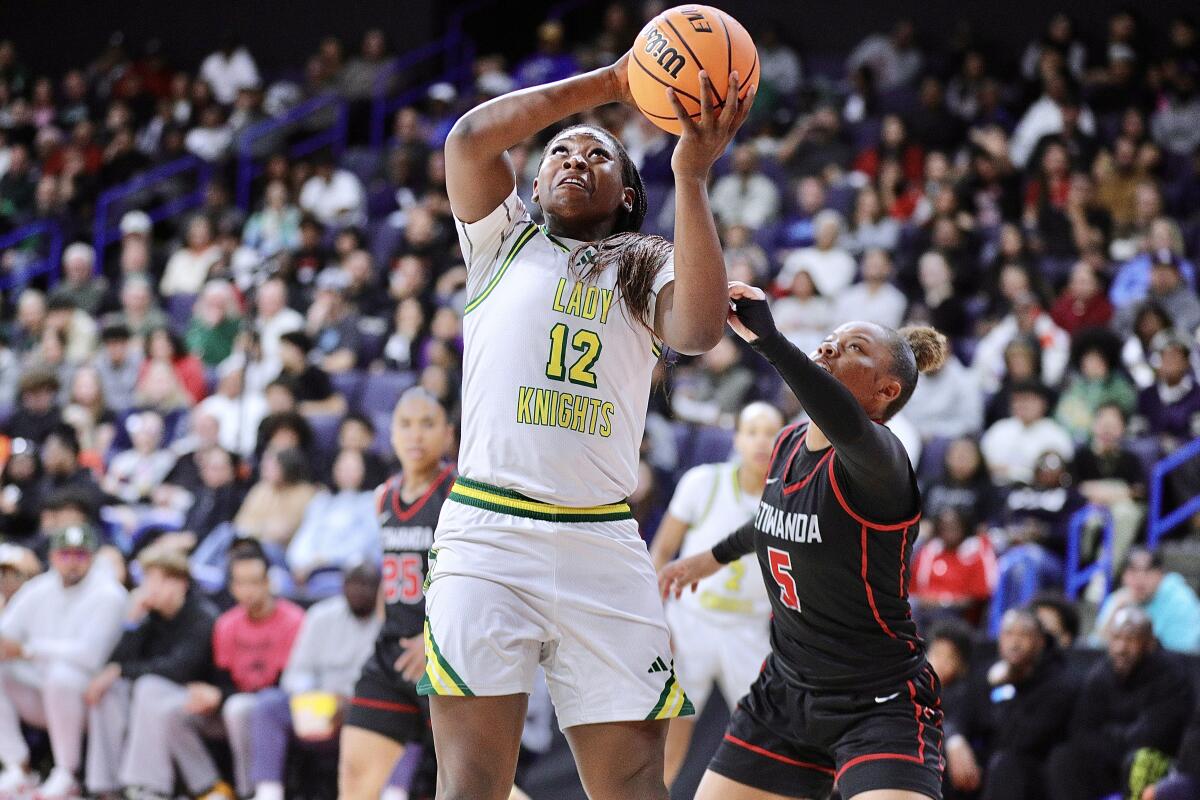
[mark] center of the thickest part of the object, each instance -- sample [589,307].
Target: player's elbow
[697,337]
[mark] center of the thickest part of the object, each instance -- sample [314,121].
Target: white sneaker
[58,785]
[15,782]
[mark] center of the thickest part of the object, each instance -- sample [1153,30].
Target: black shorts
[798,743]
[385,703]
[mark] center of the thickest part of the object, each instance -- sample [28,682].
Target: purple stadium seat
[933,453]
[349,385]
[381,391]
[179,311]
[325,429]
[701,444]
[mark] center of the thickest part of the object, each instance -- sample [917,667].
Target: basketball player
[720,634]
[846,694]
[537,557]
[386,712]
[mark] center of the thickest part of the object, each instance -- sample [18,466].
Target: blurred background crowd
[226,363]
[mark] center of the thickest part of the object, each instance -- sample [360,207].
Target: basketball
[673,48]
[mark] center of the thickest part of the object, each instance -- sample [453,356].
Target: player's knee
[643,783]
[471,787]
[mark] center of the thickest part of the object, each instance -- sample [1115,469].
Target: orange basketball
[673,48]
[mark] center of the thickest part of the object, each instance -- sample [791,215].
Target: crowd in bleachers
[231,372]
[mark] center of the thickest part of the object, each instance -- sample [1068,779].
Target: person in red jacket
[955,572]
[1083,302]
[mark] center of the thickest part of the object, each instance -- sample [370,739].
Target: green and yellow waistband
[506,501]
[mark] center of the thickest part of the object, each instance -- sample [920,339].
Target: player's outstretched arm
[690,312]
[479,174]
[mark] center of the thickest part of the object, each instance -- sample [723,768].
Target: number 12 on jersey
[781,571]
[586,343]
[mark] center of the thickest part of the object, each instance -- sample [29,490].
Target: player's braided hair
[637,257]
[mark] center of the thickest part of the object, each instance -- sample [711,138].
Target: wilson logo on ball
[670,59]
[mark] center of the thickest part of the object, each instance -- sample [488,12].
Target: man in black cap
[55,635]
[314,390]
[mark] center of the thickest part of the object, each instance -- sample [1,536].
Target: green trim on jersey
[522,240]
[672,702]
[554,240]
[439,678]
[506,501]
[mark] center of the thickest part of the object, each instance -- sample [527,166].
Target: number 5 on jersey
[586,343]
[781,571]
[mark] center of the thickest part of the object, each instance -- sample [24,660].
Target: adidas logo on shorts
[658,665]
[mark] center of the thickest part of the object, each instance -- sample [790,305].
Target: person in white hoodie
[55,635]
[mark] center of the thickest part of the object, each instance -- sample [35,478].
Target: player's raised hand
[749,315]
[702,142]
[684,572]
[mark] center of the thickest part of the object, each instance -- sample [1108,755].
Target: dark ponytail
[637,257]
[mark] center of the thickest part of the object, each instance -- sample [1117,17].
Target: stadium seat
[349,385]
[701,444]
[382,389]
[179,311]
[325,429]
[932,455]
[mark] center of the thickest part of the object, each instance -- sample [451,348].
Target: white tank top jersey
[556,373]
[711,501]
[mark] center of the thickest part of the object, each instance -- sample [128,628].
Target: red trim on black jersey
[404,515]
[877,757]
[903,548]
[800,484]
[869,590]
[783,434]
[729,737]
[384,705]
[837,491]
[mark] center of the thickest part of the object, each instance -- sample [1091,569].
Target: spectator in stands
[135,473]
[1039,510]
[332,323]
[85,289]
[1172,405]
[335,640]
[949,403]
[314,389]
[139,313]
[357,432]
[17,184]
[874,299]
[1176,123]
[1149,321]
[228,69]
[88,413]
[936,301]
[1168,291]
[1058,618]
[870,226]
[1082,303]
[998,737]
[549,63]
[334,196]
[1061,40]
[165,347]
[36,413]
[118,364]
[1094,381]
[831,267]
[61,469]
[714,388]
[814,143]
[1109,474]
[1165,597]
[274,508]
[214,503]
[237,410]
[745,196]
[1128,720]
[276,226]
[138,729]
[215,323]
[894,57]
[54,636]
[20,495]
[187,270]
[948,650]
[159,389]
[401,348]
[963,482]
[1184,780]
[1045,116]
[954,573]
[26,330]
[251,643]
[1026,319]
[338,530]
[1134,280]
[275,318]
[1012,446]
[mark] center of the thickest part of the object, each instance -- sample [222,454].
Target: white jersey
[711,501]
[556,373]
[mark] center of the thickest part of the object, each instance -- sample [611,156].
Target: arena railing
[1018,578]
[1159,525]
[1078,576]
[106,231]
[333,136]
[46,264]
